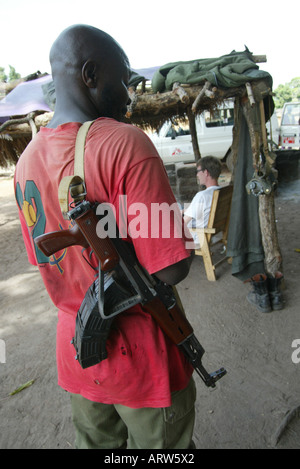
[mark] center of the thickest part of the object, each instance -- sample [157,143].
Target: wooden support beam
[184,97]
[199,98]
[273,258]
[192,125]
[250,94]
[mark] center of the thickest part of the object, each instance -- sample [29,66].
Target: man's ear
[89,75]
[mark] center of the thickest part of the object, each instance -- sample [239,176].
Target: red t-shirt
[121,164]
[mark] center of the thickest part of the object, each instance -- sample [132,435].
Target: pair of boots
[266,294]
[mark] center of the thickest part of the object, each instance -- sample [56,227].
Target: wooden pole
[273,257]
[199,98]
[177,89]
[192,125]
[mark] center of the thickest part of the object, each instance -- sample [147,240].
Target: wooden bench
[218,223]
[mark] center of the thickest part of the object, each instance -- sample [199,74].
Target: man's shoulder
[122,134]
[208,192]
[111,125]
[200,195]
[205,194]
[126,144]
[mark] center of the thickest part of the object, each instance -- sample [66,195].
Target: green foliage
[295,85]
[287,93]
[12,74]
[3,76]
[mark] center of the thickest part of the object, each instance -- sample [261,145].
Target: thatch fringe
[11,149]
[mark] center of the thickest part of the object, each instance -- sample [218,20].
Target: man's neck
[211,182]
[64,117]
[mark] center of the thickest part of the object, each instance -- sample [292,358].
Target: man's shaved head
[79,43]
[90,71]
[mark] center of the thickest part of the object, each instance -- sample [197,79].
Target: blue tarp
[24,98]
[29,96]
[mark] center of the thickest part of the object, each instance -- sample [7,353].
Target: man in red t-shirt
[143,394]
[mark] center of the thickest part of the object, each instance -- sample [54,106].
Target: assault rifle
[122,283]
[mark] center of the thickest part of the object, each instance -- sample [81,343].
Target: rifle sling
[74,184]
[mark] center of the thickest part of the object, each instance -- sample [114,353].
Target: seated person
[197,214]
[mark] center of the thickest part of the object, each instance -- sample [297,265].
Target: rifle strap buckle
[74,185]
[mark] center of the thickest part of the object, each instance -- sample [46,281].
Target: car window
[178,130]
[219,118]
[291,115]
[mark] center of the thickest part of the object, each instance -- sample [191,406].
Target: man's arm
[187,219]
[175,273]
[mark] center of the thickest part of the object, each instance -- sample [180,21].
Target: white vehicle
[289,134]
[214,132]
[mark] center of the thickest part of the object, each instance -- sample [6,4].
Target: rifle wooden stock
[101,245]
[83,233]
[50,243]
[172,321]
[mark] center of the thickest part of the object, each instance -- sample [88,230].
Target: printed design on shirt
[30,203]
[56,260]
[32,208]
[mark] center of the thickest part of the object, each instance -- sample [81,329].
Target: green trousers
[103,426]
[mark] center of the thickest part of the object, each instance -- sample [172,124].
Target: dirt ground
[257,404]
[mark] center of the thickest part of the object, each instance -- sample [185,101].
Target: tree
[3,76]
[287,93]
[295,85]
[13,75]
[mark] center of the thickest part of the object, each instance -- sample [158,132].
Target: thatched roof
[152,110]
[147,109]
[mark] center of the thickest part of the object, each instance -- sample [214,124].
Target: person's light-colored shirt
[199,210]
